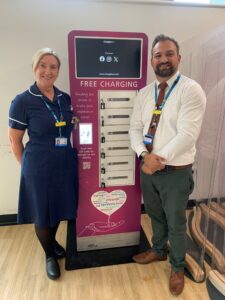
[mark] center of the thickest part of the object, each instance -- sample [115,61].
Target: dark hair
[162,38]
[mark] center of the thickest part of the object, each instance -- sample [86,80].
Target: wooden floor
[23,277]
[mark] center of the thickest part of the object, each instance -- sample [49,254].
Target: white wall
[27,25]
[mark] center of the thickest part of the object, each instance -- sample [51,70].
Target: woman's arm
[16,141]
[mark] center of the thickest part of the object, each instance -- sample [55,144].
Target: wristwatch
[142,155]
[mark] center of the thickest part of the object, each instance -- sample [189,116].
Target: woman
[48,185]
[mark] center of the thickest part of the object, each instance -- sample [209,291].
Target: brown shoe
[176,282]
[148,257]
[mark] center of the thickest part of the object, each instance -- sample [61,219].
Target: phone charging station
[106,71]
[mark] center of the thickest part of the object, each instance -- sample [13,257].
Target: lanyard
[167,94]
[54,115]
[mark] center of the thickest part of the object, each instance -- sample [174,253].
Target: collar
[170,81]
[34,90]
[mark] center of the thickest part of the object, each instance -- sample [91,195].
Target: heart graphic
[108,203]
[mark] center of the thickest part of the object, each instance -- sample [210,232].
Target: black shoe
[52,268]
[59,251]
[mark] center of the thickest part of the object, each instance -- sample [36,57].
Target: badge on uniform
[157,112]
[75,120]
[60,142]
[60,124]
[148,139]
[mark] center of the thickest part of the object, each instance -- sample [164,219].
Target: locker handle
[118,163]
[117,177]
[118,148]
[118,116]
[118,99]
[117,132]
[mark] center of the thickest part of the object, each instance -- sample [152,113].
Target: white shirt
[179,124]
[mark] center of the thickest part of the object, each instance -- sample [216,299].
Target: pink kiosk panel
[106,71]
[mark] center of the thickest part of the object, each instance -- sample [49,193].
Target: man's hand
[153,163]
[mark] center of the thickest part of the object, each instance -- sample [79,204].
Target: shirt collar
[171,80]
[34,90]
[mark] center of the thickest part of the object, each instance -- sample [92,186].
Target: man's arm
[188,124]
[136,126]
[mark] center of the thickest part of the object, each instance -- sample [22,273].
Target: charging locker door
[116,156]
[116,99]
[115,133]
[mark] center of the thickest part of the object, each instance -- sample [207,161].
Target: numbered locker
[115,133]
[115,148]
[115,116]
[115,178]
[117,163]
[116,99]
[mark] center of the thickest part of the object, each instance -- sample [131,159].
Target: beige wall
[27,25]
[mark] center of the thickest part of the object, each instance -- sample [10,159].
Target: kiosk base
[99,258]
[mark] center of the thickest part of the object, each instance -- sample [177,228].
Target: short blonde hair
[40,54]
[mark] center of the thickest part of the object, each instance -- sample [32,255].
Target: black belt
[169,168]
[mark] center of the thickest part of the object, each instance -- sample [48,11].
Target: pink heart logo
[108,203]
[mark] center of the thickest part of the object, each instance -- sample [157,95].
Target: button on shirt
[179,124]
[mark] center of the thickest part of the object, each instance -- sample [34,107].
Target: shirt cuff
[17,125]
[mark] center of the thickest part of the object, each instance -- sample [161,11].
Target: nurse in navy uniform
[49,185]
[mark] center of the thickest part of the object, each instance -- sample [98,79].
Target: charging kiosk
[106,71]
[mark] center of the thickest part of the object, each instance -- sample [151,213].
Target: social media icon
[108,58]
[102,58]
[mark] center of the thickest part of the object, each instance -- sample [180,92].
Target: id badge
[148,139]
[60,142]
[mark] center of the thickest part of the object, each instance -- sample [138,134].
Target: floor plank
[23,277]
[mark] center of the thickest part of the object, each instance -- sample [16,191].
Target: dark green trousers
[165,195]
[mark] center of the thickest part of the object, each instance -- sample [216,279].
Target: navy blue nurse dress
[49,180]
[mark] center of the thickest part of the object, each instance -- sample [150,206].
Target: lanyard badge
[60,123]
[148,139]
[157,112]
[60,141]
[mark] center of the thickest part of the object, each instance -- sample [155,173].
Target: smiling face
[47,71]
[165,60]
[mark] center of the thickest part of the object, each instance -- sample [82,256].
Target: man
[166,149]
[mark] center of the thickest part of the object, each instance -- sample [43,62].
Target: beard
[164,72]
